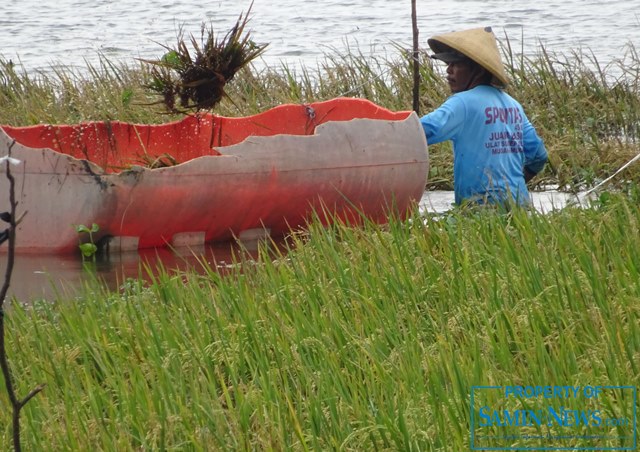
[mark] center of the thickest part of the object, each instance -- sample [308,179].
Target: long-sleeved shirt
[493,143]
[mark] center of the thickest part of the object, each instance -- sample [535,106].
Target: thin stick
[588,192]
[4,362]
[416,62]
[16,404]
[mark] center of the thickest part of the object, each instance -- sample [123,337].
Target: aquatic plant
[88,249]
[197,82]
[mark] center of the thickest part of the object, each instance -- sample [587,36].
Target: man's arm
[535,152]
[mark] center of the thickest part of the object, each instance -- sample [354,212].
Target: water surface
[72,32]
[50,276]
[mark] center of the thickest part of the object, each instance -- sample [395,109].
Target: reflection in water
[52,276]
[48,276]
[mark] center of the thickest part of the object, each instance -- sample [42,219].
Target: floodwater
[36,35]
[543,201]
[49,276]
[73,32]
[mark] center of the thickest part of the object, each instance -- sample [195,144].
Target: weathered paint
[268,171]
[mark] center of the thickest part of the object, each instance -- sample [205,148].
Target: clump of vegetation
[587,111]
[196,82]
[360,339]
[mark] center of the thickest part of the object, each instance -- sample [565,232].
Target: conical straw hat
[479,44]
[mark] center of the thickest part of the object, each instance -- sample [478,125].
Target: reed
[355,339]
[587,112]
[108,91]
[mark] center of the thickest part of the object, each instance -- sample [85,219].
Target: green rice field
[354,338]
[366,338]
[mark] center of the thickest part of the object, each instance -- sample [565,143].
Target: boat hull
[347,170]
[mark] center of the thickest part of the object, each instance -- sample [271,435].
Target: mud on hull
[233,177]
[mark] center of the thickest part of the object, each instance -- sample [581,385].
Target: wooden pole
[416,62]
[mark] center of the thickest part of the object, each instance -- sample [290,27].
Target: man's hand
[528,175]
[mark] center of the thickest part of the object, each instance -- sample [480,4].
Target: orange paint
[115,145]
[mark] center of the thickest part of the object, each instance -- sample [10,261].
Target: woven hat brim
[479,45]
[450,57]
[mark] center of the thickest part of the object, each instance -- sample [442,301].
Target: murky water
[70,32]
[46,276]
[544,201]
[38,34]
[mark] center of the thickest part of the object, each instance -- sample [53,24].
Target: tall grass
[67,95]
[357,339]
[587,112]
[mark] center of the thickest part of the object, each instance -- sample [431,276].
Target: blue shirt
[493,142]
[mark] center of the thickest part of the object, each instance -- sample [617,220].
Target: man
[496,150]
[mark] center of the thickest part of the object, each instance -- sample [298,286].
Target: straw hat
[478,44]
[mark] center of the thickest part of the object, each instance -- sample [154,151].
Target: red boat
[211,178]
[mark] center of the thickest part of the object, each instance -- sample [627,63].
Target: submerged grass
[587,112]
[357,339]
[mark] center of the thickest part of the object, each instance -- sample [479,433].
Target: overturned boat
[209,178]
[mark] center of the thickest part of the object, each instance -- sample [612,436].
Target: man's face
[459,76]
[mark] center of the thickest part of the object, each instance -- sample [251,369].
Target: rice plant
[355,338]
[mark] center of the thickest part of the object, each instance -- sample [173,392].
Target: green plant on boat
[161,161]
[197,82]
[88,249]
